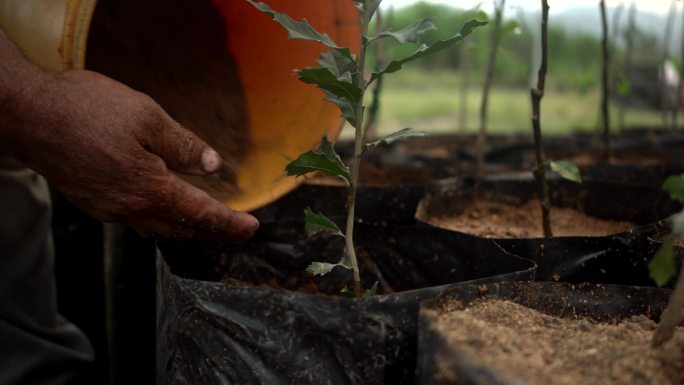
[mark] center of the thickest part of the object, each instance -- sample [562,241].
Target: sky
[656,6]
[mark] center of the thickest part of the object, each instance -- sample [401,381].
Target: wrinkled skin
[111,151]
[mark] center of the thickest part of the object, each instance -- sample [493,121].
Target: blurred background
[442,93]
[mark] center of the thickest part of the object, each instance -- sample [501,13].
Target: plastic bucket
[285,117]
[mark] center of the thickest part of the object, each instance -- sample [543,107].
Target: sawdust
[525,345]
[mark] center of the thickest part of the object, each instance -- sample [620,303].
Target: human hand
[111,151]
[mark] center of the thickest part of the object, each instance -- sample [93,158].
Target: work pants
[37,345]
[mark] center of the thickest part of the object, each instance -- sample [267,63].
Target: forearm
[19,81]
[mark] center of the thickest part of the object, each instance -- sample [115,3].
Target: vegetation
[341,76]
[663,266]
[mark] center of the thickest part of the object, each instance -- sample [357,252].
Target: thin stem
[495,36]
[604,84]
[356,160]
[664,105]
[370,126]
[629,49]
[537,94]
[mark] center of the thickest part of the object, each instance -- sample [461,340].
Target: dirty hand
[111,151]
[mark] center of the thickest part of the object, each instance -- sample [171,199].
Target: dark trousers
[37,345]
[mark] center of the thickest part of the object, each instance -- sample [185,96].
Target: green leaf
[663,265]
[347,108]
[295,29]
[410,34]
[324,159]
[340,63]
[372,291]
[326,80]
[316,223]
[674,185]
[322,268]
[425,50]
[389,139]
[566,170]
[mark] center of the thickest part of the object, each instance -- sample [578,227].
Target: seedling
[663,266]
[498,31]
[564,169]
[340,75]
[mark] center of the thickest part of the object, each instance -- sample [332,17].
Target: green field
[430,101]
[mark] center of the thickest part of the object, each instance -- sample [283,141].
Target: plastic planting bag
[253,328]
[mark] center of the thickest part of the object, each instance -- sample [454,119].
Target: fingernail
[211,160]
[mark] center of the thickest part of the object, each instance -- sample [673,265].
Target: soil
[492,219]
[538,349]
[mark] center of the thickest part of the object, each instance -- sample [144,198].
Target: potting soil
[534,348]
[492,219]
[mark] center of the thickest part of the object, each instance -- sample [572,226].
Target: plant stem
[356,160]
[664,105]
[604,84]
[629,50]
[370,126]
[672,314]
[537,94]
[495,35]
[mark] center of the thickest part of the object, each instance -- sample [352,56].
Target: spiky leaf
[321,268]
[316,223]
[389,139]
[674,185]
[324,159]
[425,50]
[347,108]
[663,265]
[326,80]
[295,29]
[340,63]
[566,170]
[410,34]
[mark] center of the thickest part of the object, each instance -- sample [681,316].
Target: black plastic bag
[618,258]
[213,333]
[607,303]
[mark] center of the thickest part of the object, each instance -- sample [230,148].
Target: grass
[429,101]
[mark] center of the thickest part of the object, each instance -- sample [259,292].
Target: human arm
[111,151]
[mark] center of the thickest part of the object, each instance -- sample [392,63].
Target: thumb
[182,150]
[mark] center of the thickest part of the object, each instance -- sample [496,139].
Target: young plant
[564,169]
[340,75]
[604,83]
[663,266]
[498,31]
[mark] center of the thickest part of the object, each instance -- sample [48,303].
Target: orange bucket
[284,116]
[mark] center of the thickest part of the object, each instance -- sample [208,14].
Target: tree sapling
[563,168]
[340,75]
